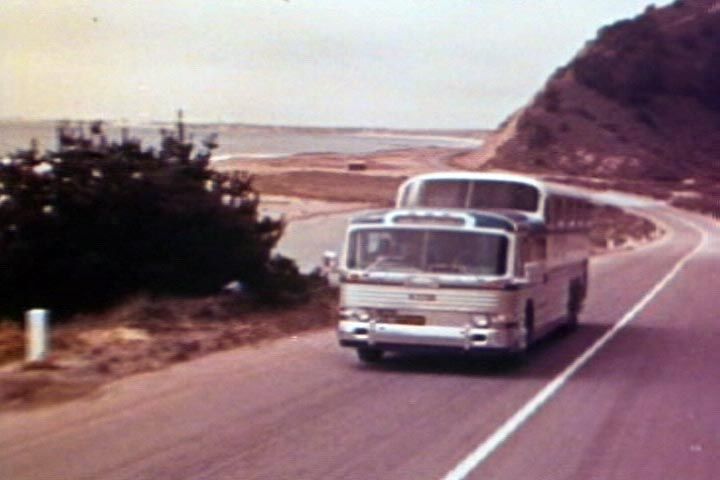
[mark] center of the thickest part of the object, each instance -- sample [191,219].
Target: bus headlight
[356,314]
[483,320]
[499,319]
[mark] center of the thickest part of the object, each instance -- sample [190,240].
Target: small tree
[93,222]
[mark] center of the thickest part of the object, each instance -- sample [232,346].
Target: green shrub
[91,223]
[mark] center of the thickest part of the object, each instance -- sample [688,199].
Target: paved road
[644,407]
[307,240]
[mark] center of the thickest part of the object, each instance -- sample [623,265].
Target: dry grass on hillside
[144,335]
[11,342]
[613,228]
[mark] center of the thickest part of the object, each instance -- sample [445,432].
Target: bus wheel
[520,355]
[369,354]
[573,307]
[529,324]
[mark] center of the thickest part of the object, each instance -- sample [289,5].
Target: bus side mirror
[329,261]
[329,268]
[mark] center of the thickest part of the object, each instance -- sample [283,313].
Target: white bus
[460,279]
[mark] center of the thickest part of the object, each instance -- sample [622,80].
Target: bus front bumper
[389,336]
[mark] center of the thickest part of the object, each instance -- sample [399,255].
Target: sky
[375,63]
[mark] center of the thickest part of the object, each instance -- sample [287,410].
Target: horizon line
[151,122]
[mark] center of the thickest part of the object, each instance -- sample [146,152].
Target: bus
[447,278]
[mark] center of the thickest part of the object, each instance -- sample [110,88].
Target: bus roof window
[498,194]
[443,193]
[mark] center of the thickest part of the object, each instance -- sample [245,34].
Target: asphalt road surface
[305,241]
[644,403]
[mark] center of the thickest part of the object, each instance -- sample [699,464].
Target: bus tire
[575,298]
[369,354]
[529,324]
[520,355]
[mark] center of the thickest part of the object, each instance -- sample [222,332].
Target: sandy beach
[305,185]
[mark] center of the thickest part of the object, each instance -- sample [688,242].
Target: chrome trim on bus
[354,333]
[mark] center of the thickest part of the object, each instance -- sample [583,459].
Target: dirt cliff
[641,101]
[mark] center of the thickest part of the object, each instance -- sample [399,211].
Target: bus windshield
[478,194]
[440,251]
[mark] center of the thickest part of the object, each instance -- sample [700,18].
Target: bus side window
[524,255]
[546,213]
[564,215]
[552,211]
[532,250]
[588,213]
[539,249]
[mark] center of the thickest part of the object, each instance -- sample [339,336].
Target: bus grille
[405,298]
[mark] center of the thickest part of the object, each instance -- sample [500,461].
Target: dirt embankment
[143,335]
[637,108]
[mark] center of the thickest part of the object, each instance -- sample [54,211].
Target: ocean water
[255,142]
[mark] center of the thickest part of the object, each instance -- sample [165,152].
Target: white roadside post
[329,267]
[37,335]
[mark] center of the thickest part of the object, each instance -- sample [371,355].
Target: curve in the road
[302,409]
[499,436]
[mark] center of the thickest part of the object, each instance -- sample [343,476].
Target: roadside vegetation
[95,222]
[144,256]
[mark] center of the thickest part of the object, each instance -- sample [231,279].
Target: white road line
[477,456]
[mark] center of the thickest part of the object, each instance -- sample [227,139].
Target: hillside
[640,102]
